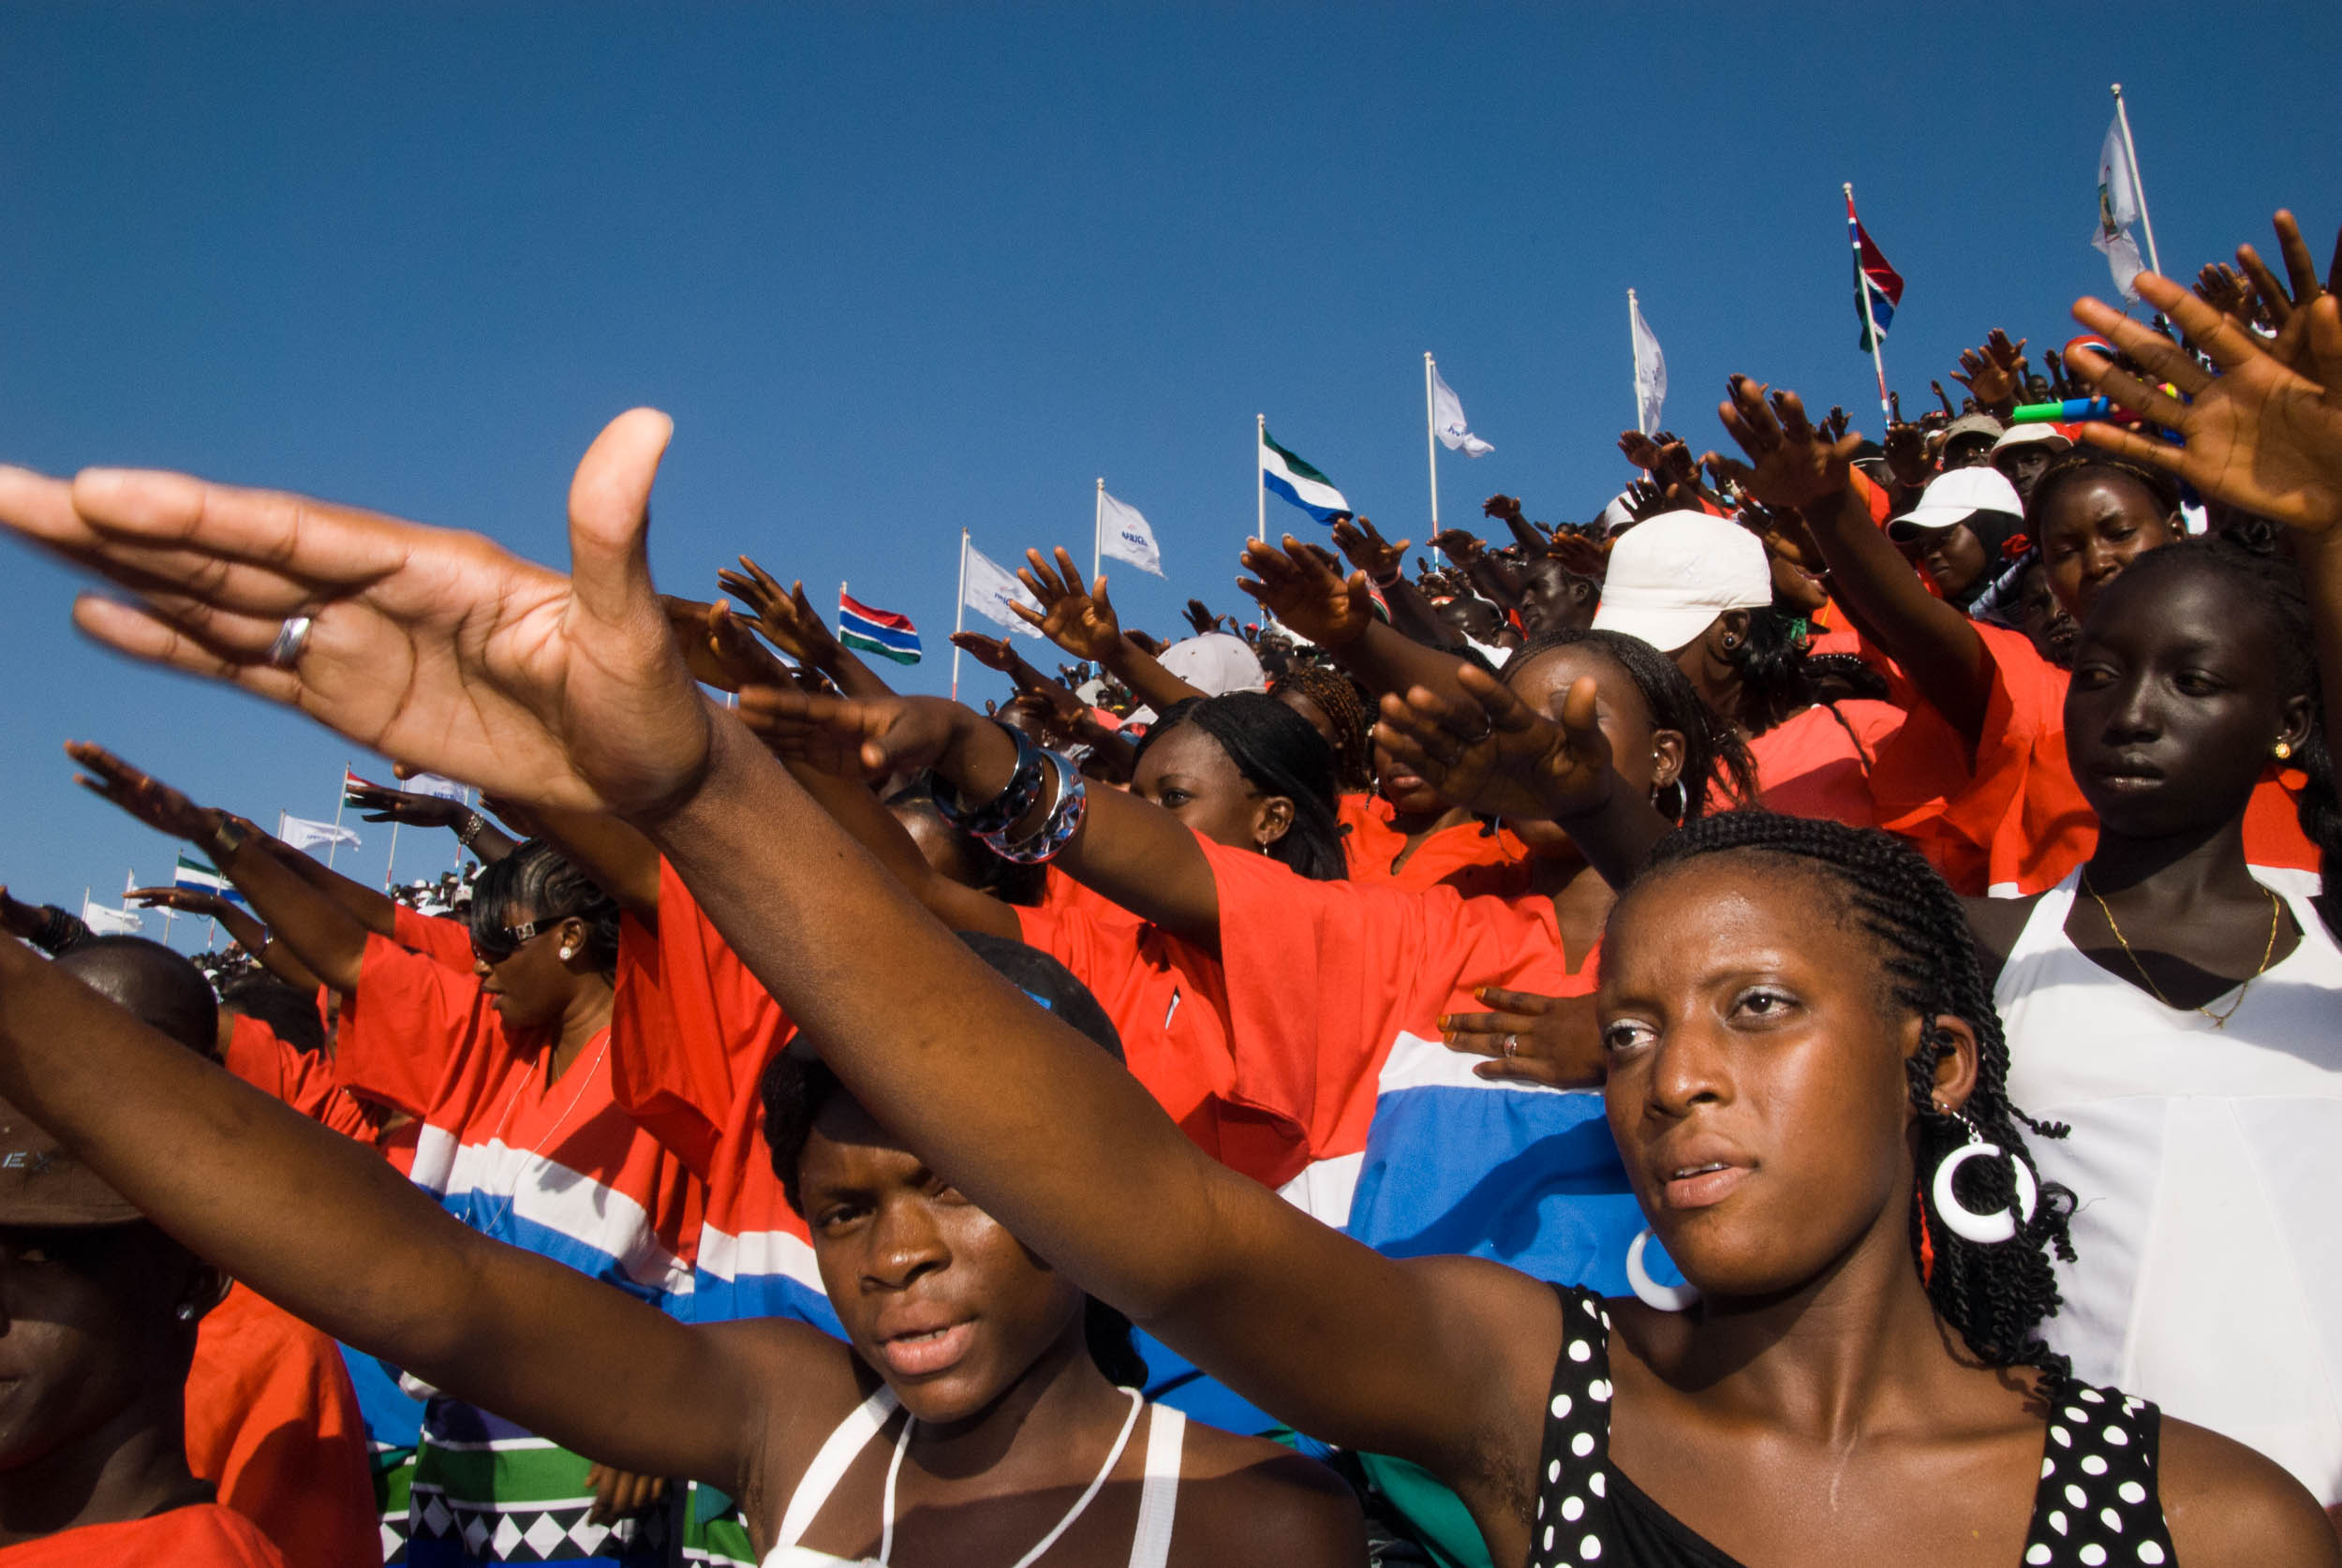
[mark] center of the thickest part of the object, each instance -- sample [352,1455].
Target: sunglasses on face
[507,940]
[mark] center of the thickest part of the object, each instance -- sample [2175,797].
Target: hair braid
[1996,1296]
[1337,696]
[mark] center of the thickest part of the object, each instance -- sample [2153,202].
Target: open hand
[1462,545]
[186,900]
[866,739]
[142,795]
[382,805]
[1494,754]
[436,648]
[1989,372]
[1083,624]
[784,618]
[2278,303]
[1790,464]
[1302,585]
[2262,436]
[1530,1038]
[1380,558]
[993,653]
[716,647]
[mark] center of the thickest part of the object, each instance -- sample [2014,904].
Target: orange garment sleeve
[448,942]
[404,1025]
[204,1535]
[302,1079]
[273,1423]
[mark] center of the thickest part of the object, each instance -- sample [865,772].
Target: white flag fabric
[1448,424]
[2118,209]
[991,591]
[1651,369]
[1125,536]
[432,784]
[303,834]
[111,923]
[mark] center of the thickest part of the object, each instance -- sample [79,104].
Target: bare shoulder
[805,1383]
[1996,923]
[1246,1500]
[2228,1505]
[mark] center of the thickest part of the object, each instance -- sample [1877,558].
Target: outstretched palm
[1304,587]
[434,647]
[1497,755]
[2261,437]
[1790,464]
[1082,623]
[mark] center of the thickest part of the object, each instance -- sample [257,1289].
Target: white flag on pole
[1651,369]
[1125,536]
[432,784]
[111,923]
[303,834]
[1449,422]
[990,592]
[2118,209]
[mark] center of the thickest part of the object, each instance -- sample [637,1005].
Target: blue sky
[896,270]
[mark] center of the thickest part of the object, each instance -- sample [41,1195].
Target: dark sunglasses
[507,940]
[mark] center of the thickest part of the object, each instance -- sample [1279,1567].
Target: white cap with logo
[1670,576]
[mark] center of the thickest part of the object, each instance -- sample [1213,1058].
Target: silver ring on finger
[1512,1047]
[285,652]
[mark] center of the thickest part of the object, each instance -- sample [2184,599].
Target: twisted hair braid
[1996,1296]
[1337,696]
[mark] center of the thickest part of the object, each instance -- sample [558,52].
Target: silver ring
[1512,1045]
[284,653]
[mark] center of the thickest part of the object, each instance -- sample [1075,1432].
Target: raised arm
[1792,465]
[1302,587]
[325,1227]
[1083,623]
[572,692]
[790,623]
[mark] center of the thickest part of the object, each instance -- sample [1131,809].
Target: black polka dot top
[2096,1505]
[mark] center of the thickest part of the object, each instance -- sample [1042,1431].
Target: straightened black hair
[535,879]
[1278,753]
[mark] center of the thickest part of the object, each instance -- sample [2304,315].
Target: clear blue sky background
[900,269]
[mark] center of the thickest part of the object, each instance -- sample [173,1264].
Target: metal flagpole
[1097,529]
[341,798]
[1862,287]
[1634,351]
[959,615]
[391,865]
[1260,476]
[1431,447]
[2137,181]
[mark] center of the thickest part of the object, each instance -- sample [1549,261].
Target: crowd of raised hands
[1462,917]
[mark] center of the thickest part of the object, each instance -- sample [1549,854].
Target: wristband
[468,829]
[1058,828]
[229,837]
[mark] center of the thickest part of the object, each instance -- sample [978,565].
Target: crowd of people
[1791,1022]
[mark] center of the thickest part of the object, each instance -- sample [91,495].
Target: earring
[1731,641]
[1985,1230]
[186,1311]
[1658,1298]
[1683,802]
[568,954]
[2283,749]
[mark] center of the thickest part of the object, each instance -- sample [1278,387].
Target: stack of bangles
[993,821]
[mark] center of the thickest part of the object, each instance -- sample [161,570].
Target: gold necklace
[2220,1020]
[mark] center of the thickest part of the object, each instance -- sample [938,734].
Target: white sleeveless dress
[2208,1167]
[1157,1497]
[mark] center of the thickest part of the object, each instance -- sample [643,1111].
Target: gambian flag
[1872,273]
[879,631]
[191,873]
[1296,482]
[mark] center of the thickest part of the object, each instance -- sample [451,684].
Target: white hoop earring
[1985,1230]
[1658,1298]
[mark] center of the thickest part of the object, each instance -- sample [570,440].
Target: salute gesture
[1082,623]
[1790,464]
[142,795]
[437,648]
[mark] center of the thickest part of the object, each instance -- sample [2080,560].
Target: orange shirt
[2013,821]
[1473,859]
[274,1423]
[202,1535]
[302,1079]
[1811,764]
[434,935]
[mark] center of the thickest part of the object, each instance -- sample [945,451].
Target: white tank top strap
[1167,1437]
[829,1464]
[2045,927]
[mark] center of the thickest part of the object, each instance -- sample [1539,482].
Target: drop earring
[1985,1230]
[1658,1298]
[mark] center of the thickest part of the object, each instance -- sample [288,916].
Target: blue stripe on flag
[893,637]
[1283,487]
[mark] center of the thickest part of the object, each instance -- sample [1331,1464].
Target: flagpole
[1097,527]
[959,615]
[1431,448]
[1260,476]
[341,798]
[2137,181]
[391,865]
[1862,287]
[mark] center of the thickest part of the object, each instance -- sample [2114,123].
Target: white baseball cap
[1670,576]
[2033,436]
[1955,497]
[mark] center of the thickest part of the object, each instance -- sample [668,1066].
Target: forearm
[487,843]
[1385,660]
[1495,581]
[854,678]
[319,929]
[1412,616]
[1935,644]
[373,909]
[1143,674]
[619,860]
[318,1223]
[242,928]
[856,810]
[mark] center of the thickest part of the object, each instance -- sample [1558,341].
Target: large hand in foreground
[1495,754]
[434,647]
[2259,436]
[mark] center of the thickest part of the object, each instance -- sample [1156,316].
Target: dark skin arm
[1132,851]
[1084,624]
[1412,614]
[1303,588]
[325,1227]
[489,843]
[1506,509]
[247,932]
[790,623]
[1790,466]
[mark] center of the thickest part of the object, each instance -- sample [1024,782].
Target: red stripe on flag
[847,604]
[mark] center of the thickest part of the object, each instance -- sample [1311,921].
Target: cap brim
[1665,630]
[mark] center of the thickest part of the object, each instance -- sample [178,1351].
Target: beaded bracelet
[1058,829]
[1005,809]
